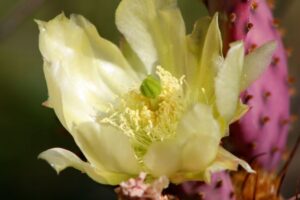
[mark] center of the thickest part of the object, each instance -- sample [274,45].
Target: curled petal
[60,159]
[226,161]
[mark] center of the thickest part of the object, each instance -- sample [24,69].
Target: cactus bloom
[160,104]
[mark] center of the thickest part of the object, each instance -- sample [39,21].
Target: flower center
[149,113]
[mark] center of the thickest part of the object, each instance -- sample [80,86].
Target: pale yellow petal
[209,61]
[192,150]
[133,59]
[241,110]
[60,159]
[108,53]
[197,38]
[195,43]
[199,137]
[155,30]
[106,147]
[227,83]
[163,158]
[256,62]
[226,161]
[78,65]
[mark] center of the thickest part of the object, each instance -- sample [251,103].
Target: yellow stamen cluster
[145,120]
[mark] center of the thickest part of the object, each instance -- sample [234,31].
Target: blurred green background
[27,128]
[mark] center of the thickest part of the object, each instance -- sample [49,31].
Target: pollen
[146,120]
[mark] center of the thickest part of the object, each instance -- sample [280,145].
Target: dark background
[27,128]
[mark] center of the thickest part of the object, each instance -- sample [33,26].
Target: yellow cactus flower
[159,104]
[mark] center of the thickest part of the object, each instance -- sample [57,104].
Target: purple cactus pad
[219,188]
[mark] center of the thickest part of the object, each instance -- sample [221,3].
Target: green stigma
[151,87]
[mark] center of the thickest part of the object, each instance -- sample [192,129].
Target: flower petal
[199,136]
[156,32]
[240,111]
[106,147]
[223,161]
[226,161]
[197,38]
[60,159]
[163,158]
[78,65]
[256,62]
[107,53]
[195,43]
[133,59]
[209,60]
[193,149]
[227,83]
